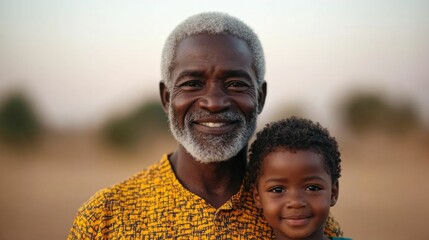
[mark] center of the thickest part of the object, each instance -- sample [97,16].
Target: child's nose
[295,199]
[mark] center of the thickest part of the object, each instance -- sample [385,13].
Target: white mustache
[227,116]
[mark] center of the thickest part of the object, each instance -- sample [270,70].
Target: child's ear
[334,193]
[256,197]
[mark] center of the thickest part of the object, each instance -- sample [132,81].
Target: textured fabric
[154,205]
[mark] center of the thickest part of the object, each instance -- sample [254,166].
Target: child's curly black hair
[295,134]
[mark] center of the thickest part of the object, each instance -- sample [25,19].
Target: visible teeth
[212,124]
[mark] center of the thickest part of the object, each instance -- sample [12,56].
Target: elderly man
[212,88]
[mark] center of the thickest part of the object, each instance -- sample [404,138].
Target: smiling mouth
[215,127]
[297,221]
[213,124]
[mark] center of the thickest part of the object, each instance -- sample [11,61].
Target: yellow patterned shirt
[154,205]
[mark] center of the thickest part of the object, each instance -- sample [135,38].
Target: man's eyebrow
[236,73]
[190,73]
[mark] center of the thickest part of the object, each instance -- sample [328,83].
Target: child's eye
[313,188]
[277,190]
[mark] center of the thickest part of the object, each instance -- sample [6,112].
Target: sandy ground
[383,190]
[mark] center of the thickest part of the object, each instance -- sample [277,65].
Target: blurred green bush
[364,112]
[18,120]
[143,123]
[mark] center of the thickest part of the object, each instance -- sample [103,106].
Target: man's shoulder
[132,189]
[120,202]
[149,176]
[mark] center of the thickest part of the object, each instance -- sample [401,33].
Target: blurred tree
[18,121]
[145,122]
[406,116]
[363,112]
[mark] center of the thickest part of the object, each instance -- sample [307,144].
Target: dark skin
[212,73]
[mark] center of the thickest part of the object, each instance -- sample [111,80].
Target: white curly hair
[212,23]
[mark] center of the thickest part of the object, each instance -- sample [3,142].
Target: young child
[295,166]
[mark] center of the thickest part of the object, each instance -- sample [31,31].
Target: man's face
[213,100]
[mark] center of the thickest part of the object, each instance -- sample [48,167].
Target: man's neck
[217,182]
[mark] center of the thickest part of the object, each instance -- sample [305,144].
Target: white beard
[207,148]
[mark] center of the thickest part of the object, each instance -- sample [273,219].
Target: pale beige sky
[83,60]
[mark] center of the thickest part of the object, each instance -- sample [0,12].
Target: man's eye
[238,85]
[313,188]
[191,84]
[277,190]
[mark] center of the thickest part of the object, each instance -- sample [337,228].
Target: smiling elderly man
[212,88]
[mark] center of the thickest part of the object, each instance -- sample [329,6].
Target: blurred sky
[82,60]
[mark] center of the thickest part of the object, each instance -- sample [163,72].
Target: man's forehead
[220,41]
[207,49]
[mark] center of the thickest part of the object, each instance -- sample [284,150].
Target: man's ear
[334,193]
[165,96]
[256,197]
[262,93]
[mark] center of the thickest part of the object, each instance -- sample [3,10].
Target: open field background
[69,66]
[383,190]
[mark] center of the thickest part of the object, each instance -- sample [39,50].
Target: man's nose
[295,199]
[215,99]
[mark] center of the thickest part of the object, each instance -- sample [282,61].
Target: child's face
[295,193]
